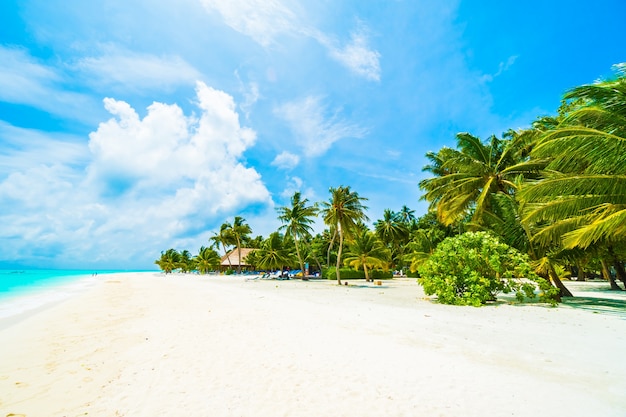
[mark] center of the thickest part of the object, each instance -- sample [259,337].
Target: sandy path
[146,345]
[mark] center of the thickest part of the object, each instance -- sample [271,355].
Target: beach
[147,344]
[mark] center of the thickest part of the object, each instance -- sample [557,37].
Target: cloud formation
[125,70]
[166,177]
[266,20]
[286,160]
[262,20]
[315,126]
[25,80]
[356,55]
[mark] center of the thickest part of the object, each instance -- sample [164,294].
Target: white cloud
[265,20]
[250,94]
[129,70]
[316,127]
[356,55]
[149,183]
[24,80]
[286,160]
[262,20]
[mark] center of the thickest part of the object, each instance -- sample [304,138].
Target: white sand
[150,345]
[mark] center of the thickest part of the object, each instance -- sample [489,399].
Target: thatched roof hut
[231,259]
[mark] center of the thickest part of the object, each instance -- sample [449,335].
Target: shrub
[350,273]
[471,269]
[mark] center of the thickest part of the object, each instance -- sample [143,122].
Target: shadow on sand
[597,305]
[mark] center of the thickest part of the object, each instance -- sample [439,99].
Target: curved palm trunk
[230,265]
[339,256]
[564,292]
[367,277]
[330,246]
[238,256]
[607,276]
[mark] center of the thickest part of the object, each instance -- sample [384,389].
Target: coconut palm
[297,221]
[185,263]
[466,178]
[223,238]
[367,251]
[273,254]
[207,260]
[239,231]
[168,261]
[391,229]
[406,215]
[342,213]
[582,199]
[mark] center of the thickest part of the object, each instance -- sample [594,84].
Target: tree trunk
[606,273]
[238,256]
[330,246]
[367,278]
[295,241]
[339,255]
[564,292]
[230,265]
[581,272]
[620,271]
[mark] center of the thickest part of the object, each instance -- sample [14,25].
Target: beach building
[231,259]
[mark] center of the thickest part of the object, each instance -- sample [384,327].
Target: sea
[26,290]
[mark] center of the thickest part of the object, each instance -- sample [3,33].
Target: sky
[128,127]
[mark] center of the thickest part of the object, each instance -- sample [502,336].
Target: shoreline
[149,344]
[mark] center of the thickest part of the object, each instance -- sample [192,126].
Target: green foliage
[169,261]
[349,273]
[229,272]
[206,260]
[471,269]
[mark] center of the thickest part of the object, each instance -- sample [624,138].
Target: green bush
[471,269]
[350,273]
[229,272]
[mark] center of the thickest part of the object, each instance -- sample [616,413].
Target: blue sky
[129,127]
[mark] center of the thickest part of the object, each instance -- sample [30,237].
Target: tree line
[555,192]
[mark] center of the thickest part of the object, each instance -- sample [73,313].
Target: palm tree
[406,215]
[465,179]
[580,203]
[207,260]
[273,254]
[184,263]
[391,229]
[582,199]
[342,212]
[223,238]
[239,231]
[366,250]
[168,261]
[394,233]
[297,221]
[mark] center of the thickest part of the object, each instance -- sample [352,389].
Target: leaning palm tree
[223,238]
[239,231]
[297,221]
[342,213]
[582,199]
[367,251]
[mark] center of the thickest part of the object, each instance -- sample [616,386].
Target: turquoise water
[22,291]
[15,281]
